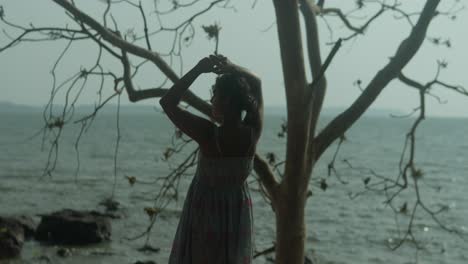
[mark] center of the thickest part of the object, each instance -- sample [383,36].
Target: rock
[64,252]
[11,238]
[28,224]
[145,262]
[25,222]
[149,248]
[73,227]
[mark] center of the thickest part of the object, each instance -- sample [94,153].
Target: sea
[346,221]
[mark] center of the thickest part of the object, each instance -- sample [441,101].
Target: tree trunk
[290,230]
[289,204]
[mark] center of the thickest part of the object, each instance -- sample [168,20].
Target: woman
[216,222]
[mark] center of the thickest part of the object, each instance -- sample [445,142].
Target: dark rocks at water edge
[28,224]
[145,262]
[74,227]
[11,238]
[64,252]
[13,231]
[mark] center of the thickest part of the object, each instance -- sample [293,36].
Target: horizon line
[383,112]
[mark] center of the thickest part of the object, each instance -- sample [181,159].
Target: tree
[304,145]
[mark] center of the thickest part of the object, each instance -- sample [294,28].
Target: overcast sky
[26,79]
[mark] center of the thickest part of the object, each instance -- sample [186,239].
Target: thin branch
[117,41]
[316,95]
[356,30]
[117,145]
[404,54]
[137,95]
[145,24]
[52,33]
[266,176]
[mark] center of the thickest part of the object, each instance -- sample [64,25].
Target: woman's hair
[236,88]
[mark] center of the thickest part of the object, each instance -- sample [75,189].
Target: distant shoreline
[10,107]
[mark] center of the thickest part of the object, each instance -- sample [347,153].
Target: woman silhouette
[216,223]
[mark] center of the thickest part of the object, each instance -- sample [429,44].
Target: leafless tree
[304,99]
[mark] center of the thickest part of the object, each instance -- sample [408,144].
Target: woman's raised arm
[192,125]
[254,117]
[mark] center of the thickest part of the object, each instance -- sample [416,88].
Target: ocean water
[339,229]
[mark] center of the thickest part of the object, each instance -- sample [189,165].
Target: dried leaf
[323,185]
[212,31]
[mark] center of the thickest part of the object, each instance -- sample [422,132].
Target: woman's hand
[223,65]
[218,64]
[206,65]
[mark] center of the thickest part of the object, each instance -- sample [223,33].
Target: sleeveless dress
[216,223]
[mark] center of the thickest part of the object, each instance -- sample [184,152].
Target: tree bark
[289,205]
[289,35]
[290,230]
[318,94]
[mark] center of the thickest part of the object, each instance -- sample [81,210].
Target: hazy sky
[26,79]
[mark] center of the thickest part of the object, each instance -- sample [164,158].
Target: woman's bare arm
[254,117]
[192,125]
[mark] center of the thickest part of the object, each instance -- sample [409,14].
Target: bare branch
[408,170]
[415,84]
[51,33]
[117,41]
[315,62]
[317,105]
[317,88]
[135,95]
[266,176]
[357,30]
[404,54]
[145,24]
[457,88]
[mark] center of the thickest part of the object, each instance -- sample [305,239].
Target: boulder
[11,238]
[64,252]
[71,227]
[27,223]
